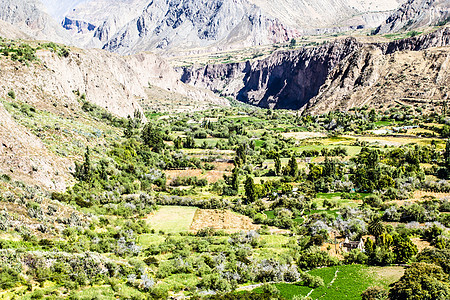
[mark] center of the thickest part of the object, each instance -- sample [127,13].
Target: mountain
[312,17]
[129,26]
[323,78]
[58,87]
[189,24]
[58,9]
[29,16]
[93,23]
[416,13]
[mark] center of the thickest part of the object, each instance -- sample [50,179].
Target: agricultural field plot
[344,282]
[172,218]
[221,220]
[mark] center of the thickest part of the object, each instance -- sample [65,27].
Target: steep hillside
[54,87]
[419,78]
[198,23]
[290,79]
[30,17]
[415,14]
[108,80]
[312,17]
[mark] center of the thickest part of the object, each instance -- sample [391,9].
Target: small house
[348,246]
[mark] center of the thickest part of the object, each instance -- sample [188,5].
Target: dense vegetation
[309,182]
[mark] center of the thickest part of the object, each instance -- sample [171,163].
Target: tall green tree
[404,249]
[235,179]
[293,166]
[277,164]
[250,190]
[83,172]
[152,137]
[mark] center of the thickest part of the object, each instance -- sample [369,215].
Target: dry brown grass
[421,244]
[221,220]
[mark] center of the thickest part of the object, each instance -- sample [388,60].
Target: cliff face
[286,79]
[191,24]
[116,83]
[414,14]
[410,72]
[294,79]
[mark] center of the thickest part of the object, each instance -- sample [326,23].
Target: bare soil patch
[421,244]
[418,195]
[221,220]
[212,176]
[303,135]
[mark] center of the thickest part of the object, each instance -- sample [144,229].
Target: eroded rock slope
[299,79]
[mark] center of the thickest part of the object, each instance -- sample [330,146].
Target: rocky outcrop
[294,79]
[418,78]
[286,79]
[415,14]
[438,38]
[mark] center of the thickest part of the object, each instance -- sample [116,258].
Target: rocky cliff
[182,24]
[415,14]
[294,79]
[414,70]
[286,79]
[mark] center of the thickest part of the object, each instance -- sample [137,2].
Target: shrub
[12,94]
[374,293]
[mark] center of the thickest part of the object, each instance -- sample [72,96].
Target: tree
[178,143]
[277,164]
[404,248]
[152,137]
[447,156]
[83,172]
[250,190]
[376,228]
[421,281]
[235,179]
[293,166]
[241,154]
[292,43]
[189,142]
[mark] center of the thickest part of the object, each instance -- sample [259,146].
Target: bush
[312,281]
[355,257]
[374,293]
[314,258]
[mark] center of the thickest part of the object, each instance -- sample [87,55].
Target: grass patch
[350,282]
[172,218]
